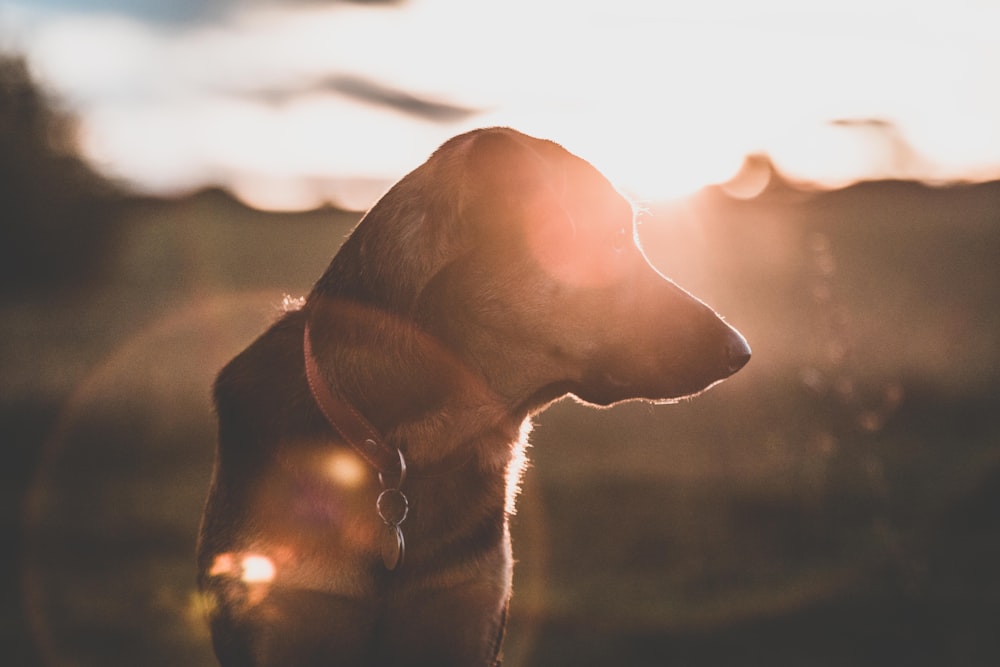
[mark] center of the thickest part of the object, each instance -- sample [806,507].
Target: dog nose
[737,352]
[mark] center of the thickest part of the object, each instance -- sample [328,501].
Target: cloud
[377,94]
[186,11]
[665,97]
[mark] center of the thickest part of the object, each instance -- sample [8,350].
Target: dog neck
[352,426]
[409,387]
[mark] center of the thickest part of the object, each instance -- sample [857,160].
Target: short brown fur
[498,276]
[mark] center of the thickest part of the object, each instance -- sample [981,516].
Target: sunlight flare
[665,98]
[346,469]
[258,569]
[250,568]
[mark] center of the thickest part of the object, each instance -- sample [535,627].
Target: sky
[295,104]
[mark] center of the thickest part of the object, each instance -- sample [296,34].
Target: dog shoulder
[256,392]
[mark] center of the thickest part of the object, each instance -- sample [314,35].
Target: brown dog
[370,444]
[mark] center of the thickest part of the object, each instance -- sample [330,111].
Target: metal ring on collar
[402,474]
[393,507]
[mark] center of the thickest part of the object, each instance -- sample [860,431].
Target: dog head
[522,259]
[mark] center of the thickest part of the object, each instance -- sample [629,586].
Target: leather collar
[357,431]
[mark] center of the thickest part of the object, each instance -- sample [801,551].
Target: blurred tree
[57,217]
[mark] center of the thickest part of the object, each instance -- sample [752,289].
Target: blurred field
[836,503]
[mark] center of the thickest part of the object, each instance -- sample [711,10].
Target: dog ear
[506,175]
[404,239]
[567,214]
[475,186]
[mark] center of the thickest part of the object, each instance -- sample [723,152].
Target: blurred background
[824,174]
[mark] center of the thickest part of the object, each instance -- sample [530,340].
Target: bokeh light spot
[257,569]
[345,469]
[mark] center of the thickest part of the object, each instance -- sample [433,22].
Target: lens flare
[224,564]
[257,569]
[345,469]
[250,568]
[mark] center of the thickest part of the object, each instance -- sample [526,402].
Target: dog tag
[393,547]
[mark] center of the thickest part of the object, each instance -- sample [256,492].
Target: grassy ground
[836,503]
